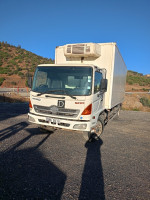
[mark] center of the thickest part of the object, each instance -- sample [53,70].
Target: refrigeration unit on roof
[82,50]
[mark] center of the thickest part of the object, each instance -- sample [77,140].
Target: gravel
[63,165]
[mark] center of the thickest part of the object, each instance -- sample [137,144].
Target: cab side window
[97,81]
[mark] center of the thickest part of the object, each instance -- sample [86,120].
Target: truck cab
[67,96]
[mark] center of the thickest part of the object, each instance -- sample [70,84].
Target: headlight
[31,119]
[80,126]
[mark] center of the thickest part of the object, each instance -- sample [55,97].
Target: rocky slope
[16,64]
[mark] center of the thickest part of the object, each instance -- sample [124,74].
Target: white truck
[82,91]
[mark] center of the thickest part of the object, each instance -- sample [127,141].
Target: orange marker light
[87,110]
[30,105]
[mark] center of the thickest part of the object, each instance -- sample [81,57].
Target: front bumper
[57,122]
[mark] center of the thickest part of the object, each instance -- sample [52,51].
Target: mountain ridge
[16,64]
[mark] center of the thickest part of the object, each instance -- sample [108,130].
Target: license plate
[52,120]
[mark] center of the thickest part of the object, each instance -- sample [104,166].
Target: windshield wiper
[51,91]
[48,92]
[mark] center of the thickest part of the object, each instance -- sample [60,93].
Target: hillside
[16,63]
[136,82]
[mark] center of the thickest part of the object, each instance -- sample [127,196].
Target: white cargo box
[104,56]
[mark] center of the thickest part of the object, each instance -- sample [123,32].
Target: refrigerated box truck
[82,91]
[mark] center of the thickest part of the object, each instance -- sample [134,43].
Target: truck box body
[109,58]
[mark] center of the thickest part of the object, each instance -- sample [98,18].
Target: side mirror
[29,81]
[103,85]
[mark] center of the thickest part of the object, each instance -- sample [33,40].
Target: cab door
[97,104]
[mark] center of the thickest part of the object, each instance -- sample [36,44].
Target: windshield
[63,80]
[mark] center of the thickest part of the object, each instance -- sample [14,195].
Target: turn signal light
[87,110]
[30,105]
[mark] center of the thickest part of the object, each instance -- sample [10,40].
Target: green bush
[146,90]
[136,109]
[145,101]
[142,84]
[4,70]
[1,62]
[4,55]
[19,46]
[1,80]
[130,82]
[20,61]
[21,74]
[133,89]
[16,72]
[10,66]
[10,73]
[26,83]
[13,83]
[13,62]
[19,68]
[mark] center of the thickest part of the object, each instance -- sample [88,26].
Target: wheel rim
[118,113]
[99,128]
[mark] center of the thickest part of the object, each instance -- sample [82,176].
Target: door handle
[101,96]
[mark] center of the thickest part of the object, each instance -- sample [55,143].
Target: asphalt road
[62,165]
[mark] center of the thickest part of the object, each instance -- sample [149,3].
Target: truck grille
[54,110]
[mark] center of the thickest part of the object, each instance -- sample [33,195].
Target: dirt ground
[132,102]
[136,87]
[13,81]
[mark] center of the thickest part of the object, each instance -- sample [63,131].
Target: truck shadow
[9,110]
[92,186]
[12,130]
[26,173]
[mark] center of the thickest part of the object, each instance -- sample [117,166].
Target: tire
[99,127]
[95,135]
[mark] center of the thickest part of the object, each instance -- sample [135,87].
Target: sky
[41,25]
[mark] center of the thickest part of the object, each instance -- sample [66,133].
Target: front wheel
[97,130]
[99,127]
